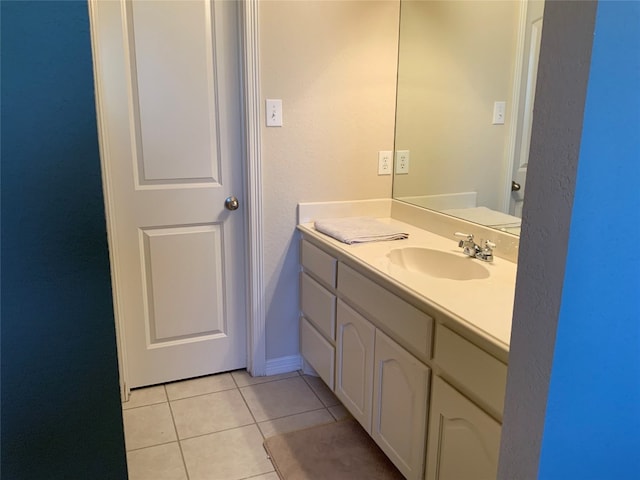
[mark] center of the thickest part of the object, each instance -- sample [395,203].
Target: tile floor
[213,427]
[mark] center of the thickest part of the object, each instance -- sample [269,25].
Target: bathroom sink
[439,264]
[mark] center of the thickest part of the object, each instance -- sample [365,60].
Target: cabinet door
[400,397]
[354,378]
[464,441]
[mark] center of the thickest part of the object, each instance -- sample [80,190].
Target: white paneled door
[168,91]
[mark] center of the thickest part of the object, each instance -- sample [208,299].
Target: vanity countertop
[482,308]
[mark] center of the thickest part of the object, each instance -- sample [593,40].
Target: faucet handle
[468,239]
[489,244]
[468,236]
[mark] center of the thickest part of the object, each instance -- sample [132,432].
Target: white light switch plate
[498,112]
[274,112]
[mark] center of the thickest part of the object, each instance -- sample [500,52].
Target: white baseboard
[284,364]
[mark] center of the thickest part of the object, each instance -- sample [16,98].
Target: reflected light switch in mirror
[402,162]
[498,113]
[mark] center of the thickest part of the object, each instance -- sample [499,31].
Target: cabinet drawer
[317,351]
[482,375]
[404,322]
[318,305]
[318,263]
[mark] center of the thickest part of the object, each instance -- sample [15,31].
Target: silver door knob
[515,186]
[231,203]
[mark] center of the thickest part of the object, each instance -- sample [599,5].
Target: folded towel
[359,230]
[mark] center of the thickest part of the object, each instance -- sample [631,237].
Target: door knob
[515,187]
[231,203]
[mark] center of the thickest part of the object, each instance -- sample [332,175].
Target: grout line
[261,474]
[151,446]
[142,406]
[175,429]
[221,431]
[294,414]
[255,422]
[202,394]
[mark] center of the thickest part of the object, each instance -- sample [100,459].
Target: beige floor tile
[210,413]
[229,455]
[280,399]
[339,412]
[200,386]
[145,396]
[322,391]
[147,426]
[243,378]
[295,422]
[162,462]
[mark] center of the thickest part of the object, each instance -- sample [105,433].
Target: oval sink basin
[439,264]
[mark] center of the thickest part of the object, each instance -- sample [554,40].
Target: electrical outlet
[402,162]
[384,162]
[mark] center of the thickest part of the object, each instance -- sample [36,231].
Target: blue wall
[61,414]
[592,427]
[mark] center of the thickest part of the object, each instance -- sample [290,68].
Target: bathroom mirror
[466,85]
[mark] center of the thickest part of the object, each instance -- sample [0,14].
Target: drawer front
[322,265]
[482,375]
[318,305]
[402,321]
[318,352]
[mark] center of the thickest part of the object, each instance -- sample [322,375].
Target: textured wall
[555,146]
[61,414]
[333,64]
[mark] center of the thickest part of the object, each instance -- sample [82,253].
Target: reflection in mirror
[466,84]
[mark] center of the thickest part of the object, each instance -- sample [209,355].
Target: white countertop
[483,306]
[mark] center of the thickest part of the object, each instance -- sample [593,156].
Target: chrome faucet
[472,249]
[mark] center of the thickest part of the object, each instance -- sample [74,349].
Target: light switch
[498,112]
[274,113]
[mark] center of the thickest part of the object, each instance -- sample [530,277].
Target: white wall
[333,64]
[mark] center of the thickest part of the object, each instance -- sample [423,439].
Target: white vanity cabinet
[431,399]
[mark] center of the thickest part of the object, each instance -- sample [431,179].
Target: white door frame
[252,172]
[515,106]
[250,48]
